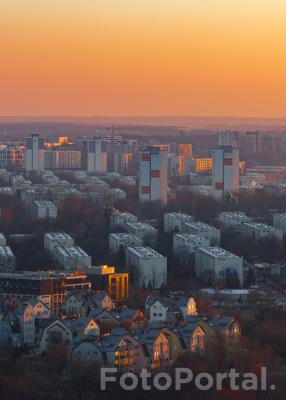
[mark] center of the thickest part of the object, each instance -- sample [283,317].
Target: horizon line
[141,116]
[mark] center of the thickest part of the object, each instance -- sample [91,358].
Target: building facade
[34,154]
[149,267]
[153,175]
[225,172]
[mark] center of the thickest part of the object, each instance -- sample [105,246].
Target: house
[25,314]
[226,326]
[87,352]
[193,336]
[102,300]
[106,319]
[157,347]
[74,305]
[83,326]
[130,319]
[41,310]
[123,351]
[55,333]
[187,306]
[175,342]
[164,309]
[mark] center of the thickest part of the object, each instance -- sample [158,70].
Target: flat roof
[190,237]
[143,252]
[233,213]
[44,203]
[217,252]
[124,214]
[124,236]
[58,235]
[180,215]
[259,226]
[70,251]
[200,225]
[142,226]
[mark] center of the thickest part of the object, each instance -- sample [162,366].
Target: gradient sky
[143,57]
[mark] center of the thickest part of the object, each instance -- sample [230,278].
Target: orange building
[203,164]
[58,141]
[185,149]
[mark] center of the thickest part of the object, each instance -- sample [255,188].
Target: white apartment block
[175,221]
[234,219]
[97,155]
[7,259]
[3,241]
[225,171]
[43,209]
[72,257]
[26,317]
[52,240]
[34,153]
[149,267]
[204,230]
[185,244]
[279,222]
[228,138]
[153,168]
[259,231]
[62,159]
[121,218]
[217,264]
[123,239]
[147,233]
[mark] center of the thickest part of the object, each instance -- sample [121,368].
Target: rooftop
[141,226]
[200,225]
[190,237]
[233,214]
[259,226]
[124,236]
[71,251]
[44,203]
[125,214]
[180,215]
[58,235]
[217,252]
[144,252]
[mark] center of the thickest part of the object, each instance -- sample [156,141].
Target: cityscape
[142,200]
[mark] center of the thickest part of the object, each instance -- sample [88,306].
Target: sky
[143,57]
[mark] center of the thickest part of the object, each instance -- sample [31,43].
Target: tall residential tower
[153,175]
[225,172]
[34,154]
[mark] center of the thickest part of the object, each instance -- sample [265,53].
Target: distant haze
[180,122]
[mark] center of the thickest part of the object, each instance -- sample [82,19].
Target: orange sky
[143,57]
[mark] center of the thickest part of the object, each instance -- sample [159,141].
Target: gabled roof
[34,302]
[82,341]
[96,313]
[77,324]
[125,313]
[118,332]
[149,301]
[79,296]
[220,323]
[99,296]
[167,301]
